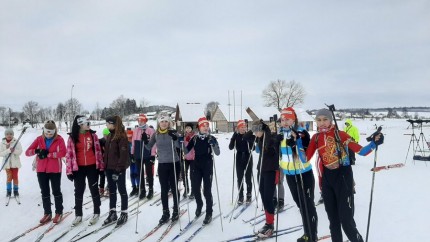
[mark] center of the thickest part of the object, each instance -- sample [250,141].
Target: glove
[115,176]
[152,159]
[181,139]
[43,154]
[279,137]
[234,136]
[380,140]
[212,141]
[248,135]
[70,177]
[37,151]
[132,157]
[145,138]
[172,133]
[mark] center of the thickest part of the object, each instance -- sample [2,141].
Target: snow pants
[203,171]
[241,163]
[308,211]
[166,175]
[91,174]
[117,180]
[337,192]
[55,180]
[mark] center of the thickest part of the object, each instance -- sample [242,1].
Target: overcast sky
[350,53]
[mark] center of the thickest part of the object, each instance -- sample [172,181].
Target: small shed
[188,113]
[225,117]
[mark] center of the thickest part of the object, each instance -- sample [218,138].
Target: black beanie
[111,120]
[189,125]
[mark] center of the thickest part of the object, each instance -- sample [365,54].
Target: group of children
[286,150]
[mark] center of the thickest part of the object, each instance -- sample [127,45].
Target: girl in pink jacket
[49,148]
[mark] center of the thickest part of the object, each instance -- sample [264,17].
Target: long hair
[119,129]
[75,129]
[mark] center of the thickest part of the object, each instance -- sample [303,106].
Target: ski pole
[234,168]
[185,173]
[275,118]
[142,146]
[176,184]
[259,176]
[306,212]
[241,183]
[16,143]
[373,183]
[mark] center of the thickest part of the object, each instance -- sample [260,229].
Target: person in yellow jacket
[355,135]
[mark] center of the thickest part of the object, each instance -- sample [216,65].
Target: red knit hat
[288,113]
[142,118]
[241,123]
[202,121]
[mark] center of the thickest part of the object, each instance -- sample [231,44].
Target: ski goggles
[48,131]
[83,121]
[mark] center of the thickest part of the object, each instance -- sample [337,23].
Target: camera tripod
[418,144]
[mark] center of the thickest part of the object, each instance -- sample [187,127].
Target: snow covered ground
[400,206]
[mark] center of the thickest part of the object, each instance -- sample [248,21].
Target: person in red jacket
[84,160]
[336,174]
[49,148]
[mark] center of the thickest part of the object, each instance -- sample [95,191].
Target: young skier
[337,177]
[84,160]
[102,190]
[13,163]
[203,144]
[134,172]
[117,160]
[144,159]
[50,149]
[189,160]
[243,149]
[267,145]
[298,172]
[169,168]
[352,131]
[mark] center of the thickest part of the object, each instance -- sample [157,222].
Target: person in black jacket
[203,144]
[243,149]
[268,173]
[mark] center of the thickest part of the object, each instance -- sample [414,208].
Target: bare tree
[97,113]
[3,114]
[118,106]
[31,109]
[281,94]
[143,103]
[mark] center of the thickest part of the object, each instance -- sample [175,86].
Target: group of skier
[284,150]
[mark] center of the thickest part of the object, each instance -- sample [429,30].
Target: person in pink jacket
[84,160]
[49,148]
[144,157]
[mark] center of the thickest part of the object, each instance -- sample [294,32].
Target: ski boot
[266,231]
[57,218]
[165,217]
[15,193]
[111,218]
[150,194]
[78,220]
[94,219]
[248,198]
[175,215]
[46,218]
[208,218]
[122,219]
[142,194]
[134,191]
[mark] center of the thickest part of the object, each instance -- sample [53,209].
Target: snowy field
[400,205]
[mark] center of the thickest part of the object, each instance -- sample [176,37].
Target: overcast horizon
[362,54]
